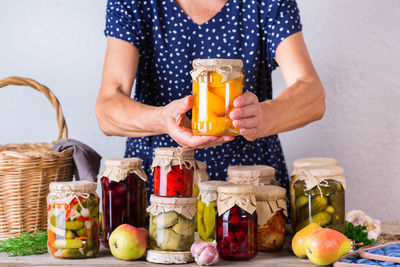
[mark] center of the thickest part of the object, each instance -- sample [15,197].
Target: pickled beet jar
[123,185]
[173,172]
[236,222]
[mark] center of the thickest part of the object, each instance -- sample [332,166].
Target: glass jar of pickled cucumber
[271,214]
[303,162]
[173,171]
[206,209]
[319,196]
[123,184]
[236,222]
[252,174]
[216,83]
[73,220]
[171,223]
[200,175]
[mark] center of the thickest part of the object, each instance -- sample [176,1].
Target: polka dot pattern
[168,41]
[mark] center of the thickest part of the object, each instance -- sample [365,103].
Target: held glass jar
[272,214]
[171,223]
[216,83]
[173,171]
[123,184]
[206,209]
[236,222]
[73,220]
[303,162]
[252,175]
[319,197]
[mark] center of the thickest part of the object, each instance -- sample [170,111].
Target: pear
[300,237]
[324,246]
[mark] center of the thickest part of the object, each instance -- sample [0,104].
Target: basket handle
[63,130]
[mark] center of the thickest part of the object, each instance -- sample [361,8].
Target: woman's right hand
[178,127]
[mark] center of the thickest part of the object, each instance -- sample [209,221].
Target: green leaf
[358,234]
[25,244]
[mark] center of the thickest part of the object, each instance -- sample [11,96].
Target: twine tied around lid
[67,194]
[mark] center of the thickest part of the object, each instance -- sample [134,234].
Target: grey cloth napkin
[87,161]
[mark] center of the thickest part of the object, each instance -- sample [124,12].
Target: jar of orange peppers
[173,171]
[73,220]
[216,83]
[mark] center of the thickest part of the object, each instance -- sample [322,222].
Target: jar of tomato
[252,175]
[300,163]
[216,83]
[236,222]
[173,171]
[123,184]
[73,220]
[271,214]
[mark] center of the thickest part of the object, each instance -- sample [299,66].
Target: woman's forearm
[301,103]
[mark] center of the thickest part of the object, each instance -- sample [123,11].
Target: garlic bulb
[205,253]
[358,217]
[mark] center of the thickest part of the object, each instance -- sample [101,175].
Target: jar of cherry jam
[123,184]
[173,171]
[236,222]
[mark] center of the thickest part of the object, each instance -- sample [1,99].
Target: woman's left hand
[248,116]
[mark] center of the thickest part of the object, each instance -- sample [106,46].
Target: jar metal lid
[174,152]
[75,186]
[229,69]
[321,171]
[123,162]
[269,192]
[173,201]
[211,185]
[314,161]
[236,189]
[251,170]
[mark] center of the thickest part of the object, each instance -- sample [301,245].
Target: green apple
[127,242]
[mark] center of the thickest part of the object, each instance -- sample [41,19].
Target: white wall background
[353,44]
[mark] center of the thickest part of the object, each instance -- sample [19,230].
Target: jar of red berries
[236,222]
[173,171]
[123,184]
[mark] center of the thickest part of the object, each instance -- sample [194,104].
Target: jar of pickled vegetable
[216,83]
[73,220]
[200,175]
[171,223]
[303,162]
[236,222]
[252,175]
[206,209]
[271,214]
[319,197]
[173,171]
[123,184]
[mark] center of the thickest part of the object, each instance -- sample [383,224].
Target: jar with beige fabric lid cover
[271,214]
[319,196]
[123,186]
[73,219]
[303,162]
[252,174]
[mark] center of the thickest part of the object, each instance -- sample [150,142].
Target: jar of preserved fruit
[216,83]
[171,223]
[73,220]
[319,197]
[236,222]
[200,175]
[123,184]
[173,171]
[272,214]
[304,162]
[252,174]
[206,209]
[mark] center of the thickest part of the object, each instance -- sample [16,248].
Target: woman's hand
[178,126]
[248,116]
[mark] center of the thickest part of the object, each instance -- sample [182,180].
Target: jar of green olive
[319,196]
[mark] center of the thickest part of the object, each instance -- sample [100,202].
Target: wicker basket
[26,171]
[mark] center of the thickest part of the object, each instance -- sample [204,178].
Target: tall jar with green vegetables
[206,209]
[304,162]
[73,220]
[200,175]
[319,196]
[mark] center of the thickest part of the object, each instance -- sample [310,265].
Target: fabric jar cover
[200,174]
[165,157]
[208,190]
[234,194]
[229,69]
[269,199]
[186,206]
[318,175]
[119,169]
[252,174]
[313,161]
[67,191]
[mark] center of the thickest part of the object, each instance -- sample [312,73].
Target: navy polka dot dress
[168,41]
